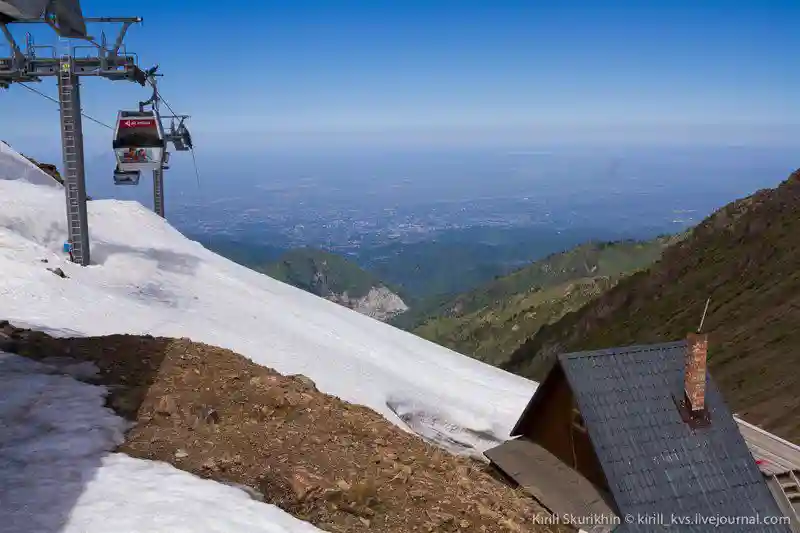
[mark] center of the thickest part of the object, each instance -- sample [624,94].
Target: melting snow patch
[59,477]
[430,424]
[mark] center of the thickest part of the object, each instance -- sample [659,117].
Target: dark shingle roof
[653,460]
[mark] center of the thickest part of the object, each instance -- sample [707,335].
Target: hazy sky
[272,73]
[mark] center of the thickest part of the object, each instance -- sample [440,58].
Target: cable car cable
[200,190]
[196,171]
[158,94]
[43,95]
[191,149]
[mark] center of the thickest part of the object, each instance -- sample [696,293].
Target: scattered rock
[250,491]
[307,382]
[210,465]
[303,483]
[166,406]
[181,454]
[263,381]
[58,272]
[211,417]
[205,414]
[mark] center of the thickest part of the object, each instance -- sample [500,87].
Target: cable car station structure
[140,140]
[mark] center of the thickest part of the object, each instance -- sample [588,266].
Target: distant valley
[488,321]
[439,266]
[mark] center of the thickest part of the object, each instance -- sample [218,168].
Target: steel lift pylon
[107,61]
[177,134]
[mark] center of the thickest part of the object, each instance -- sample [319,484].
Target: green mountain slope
[491,321]
[746,258]
[321,273]
[457,260]
[335,278]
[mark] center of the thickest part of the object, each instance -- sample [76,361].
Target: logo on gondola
[137,123]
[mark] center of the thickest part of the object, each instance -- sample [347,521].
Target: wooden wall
[549,424]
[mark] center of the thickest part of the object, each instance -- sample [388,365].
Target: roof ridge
[631,349]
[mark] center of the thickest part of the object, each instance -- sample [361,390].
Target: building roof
[654,461]
[773,454]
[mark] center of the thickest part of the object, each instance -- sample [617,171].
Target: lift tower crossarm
[107,63]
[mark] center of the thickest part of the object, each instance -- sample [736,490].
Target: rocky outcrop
[379,303]
[337,279]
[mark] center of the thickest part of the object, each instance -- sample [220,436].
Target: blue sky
[269,73]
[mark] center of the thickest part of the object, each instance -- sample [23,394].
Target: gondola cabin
[139,143]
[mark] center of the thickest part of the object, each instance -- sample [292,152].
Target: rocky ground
[340,466]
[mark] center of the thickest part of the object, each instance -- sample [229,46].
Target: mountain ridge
[746,258]
[490,321]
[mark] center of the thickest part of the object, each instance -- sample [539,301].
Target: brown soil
[342,467]
[746,258]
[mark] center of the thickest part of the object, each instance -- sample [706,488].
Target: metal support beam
[121,36]
[17,56]
[85,19]
[74,171]
[26,67]
[158,191]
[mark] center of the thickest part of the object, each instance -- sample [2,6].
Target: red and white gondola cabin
[138,141]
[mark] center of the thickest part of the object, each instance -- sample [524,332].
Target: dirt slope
[342,467]
[746,257]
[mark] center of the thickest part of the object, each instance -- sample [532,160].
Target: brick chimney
[695,371]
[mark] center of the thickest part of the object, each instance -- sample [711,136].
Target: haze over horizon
[279,76]
[368,117]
